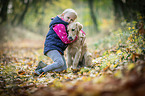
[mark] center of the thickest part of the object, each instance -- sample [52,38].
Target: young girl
[56,42]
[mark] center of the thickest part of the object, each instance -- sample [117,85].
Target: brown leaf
[141,28]
[137,56]
[21,72]
[106,68]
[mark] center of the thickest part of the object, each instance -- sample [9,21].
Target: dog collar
[75,38]
[83,32]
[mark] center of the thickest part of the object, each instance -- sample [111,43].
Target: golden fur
[77,51]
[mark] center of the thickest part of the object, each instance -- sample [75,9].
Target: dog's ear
[80,26]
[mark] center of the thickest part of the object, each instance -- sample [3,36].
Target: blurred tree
[23,12]
[34,14]
[93,16]
[3,10]
[119,8]
[128,9]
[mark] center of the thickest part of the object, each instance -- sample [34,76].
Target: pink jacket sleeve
[61,32]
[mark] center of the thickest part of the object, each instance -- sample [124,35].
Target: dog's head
[73,30]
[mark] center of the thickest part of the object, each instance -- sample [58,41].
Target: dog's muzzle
[70,38]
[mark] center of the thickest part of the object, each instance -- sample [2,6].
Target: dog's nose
[70,38]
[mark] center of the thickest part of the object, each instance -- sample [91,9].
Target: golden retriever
[77,54]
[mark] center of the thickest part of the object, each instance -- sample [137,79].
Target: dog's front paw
[75,70]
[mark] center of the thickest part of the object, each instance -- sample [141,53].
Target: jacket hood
[57,20]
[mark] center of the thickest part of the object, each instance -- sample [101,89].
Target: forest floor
[116,71]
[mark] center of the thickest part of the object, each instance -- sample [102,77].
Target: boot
[40,65]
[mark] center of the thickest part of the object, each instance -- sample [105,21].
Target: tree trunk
[136,6]
[128,9]
[3,11]
[23,14]
[118,10]
[90,2]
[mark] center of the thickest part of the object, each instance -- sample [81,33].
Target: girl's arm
[61,32]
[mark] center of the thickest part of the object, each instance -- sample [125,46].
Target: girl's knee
[60,62]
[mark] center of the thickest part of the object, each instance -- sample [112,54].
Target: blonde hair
[69,11]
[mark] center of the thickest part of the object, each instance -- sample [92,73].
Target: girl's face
[69,17]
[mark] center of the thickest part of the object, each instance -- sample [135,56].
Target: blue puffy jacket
[52,41]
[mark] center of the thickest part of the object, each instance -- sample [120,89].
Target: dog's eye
[73,29]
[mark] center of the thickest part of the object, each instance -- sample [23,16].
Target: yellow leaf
[130,38]
[131,66]
[118,52]
[140,17]
[97,74]
[118,74]
[108,63]
[23,63]
[30,80]
[24,59]
[34,81]
[86,78]
[46,80]
[129,28]
[65,77]
[83,78]
[100,79]
[115,65]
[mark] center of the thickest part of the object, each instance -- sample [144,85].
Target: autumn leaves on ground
[118,70]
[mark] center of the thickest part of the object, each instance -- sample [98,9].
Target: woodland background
[97,16]
[115,37]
